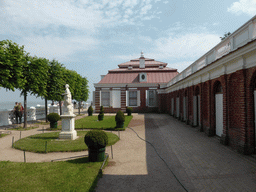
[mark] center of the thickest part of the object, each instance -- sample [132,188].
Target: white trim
[132,88]
[105,88]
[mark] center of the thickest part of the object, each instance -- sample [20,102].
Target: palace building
[134,84]
[216,94]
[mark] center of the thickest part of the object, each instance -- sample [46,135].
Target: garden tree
[55,83]
[81,94]
[12,59]
[35,74]
[225,36]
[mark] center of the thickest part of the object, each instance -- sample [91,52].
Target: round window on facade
[143,77]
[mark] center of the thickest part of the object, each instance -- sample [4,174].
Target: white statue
[68,105]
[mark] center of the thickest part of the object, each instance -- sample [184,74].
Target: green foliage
[53,117]
[73,175]
[36,143]
[12,61]
[96,139]
[129,111]
[101,110]
[101,114]
[90,122]
[55,82]
[90,111]
[120,116]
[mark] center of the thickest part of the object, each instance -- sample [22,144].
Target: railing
[33,113]
[240,37]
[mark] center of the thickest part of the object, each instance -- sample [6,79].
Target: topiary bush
[53,117]
[120,118]
[101,114]
[96,139]
[90,111]
[129,111]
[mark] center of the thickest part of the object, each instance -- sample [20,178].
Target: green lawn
[37,143]
[73,175]
[3,135]
[24,129]
[108,123]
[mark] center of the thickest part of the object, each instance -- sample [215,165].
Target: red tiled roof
[136,63]
[126,70]
[152,77]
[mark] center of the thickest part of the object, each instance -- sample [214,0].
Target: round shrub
[96,139]
[53,117]
[120,116]
[100,117]
[90,111]
[129,111]
[101,110]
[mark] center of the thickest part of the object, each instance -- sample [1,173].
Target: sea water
[9,105]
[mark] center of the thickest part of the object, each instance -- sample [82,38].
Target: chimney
[142,61]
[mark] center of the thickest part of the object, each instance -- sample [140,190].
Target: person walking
[21,112]
[16,110]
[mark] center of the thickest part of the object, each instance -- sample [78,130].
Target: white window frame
[127,98]
[101,93]
[148,98]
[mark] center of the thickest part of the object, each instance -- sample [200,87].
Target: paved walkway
[200,163]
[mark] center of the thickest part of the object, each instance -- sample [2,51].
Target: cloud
[57,48]
[190,45]
[179,46]
[243,6]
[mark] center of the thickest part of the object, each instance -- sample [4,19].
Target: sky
[92,37]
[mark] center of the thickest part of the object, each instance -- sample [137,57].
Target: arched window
[218,88]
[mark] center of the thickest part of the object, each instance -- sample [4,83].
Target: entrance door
[178,107]
[219,113]
[185,108]
[195,110]
[255,119]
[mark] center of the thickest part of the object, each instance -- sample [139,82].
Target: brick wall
[238,108]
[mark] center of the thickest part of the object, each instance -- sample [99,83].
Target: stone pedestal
[68,127]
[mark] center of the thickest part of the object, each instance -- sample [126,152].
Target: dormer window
[161,66]
[130,67]
[143,77]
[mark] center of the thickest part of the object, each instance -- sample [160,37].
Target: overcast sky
[92,37]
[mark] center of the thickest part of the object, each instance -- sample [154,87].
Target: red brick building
[134,84]
[217,93]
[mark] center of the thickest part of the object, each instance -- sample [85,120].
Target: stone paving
[200,163]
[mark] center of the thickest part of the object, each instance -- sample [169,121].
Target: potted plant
[90,111]
[129,111]
[96,140]
[120,118]
[53,118]
[101,114]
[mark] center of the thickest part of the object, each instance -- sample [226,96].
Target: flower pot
[54,124]
[96,155]
[120,124]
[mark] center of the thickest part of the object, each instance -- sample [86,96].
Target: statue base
[68,127]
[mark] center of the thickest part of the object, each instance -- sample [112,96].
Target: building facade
[217,93]
[134,84]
